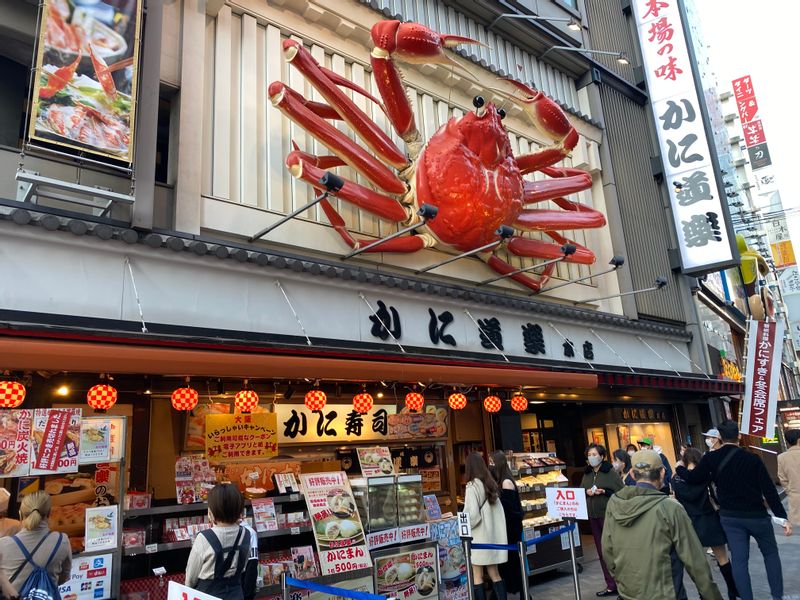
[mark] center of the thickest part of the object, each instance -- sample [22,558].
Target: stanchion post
[284,587]
[466,543]
[522,550]
[574,561]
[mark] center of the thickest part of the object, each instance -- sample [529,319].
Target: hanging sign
[764,352]
[56,438]
[84,94]
[241,436]
[337,526]
[95,441]
[15,442]
[698,211]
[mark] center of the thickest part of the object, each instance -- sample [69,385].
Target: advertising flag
[764,351]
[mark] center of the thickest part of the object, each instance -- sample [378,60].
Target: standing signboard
[84,94]
[699,213]
[408,572]
[764,352]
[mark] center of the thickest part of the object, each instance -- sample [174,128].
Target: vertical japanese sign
[753,130]
[84,94]
[337,526]
[56,436]
[764,351]
[241,437]
[15,442]
[697,208]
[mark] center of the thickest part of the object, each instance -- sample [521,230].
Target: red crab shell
[468,171]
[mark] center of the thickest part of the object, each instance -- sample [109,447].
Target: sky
[762,39]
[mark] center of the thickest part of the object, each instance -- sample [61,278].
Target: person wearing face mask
[621,462]
[600,481]
[647,444]
[632,449]
[713,441]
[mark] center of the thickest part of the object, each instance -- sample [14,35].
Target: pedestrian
[743,484]
[648,538]
[705,518]
[789,473]
[34,545]
[7,526]
[482,504]
[250,575]
[713,441]
[512,508]
[622,465]
[219,555]
[647,444]
[632,449]
[681,451]
[600,481]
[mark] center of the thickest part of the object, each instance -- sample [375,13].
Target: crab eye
[501,113]
[478,101]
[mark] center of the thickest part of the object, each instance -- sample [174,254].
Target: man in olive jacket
[647,534]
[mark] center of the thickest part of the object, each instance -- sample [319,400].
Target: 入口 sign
[566,503]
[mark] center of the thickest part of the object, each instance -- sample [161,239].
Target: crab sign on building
[466,170]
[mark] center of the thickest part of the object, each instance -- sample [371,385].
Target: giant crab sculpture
[466,169]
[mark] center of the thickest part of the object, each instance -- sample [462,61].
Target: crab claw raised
[413,42]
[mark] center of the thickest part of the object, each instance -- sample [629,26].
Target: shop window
[163,137]
[13,102]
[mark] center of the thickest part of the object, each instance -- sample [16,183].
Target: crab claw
[546,115]
[413,42]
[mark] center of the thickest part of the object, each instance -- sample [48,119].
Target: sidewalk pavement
[557,585]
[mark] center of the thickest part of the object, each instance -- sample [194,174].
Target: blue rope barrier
[331,590]
[539,540]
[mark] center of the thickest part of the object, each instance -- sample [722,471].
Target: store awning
[21,353]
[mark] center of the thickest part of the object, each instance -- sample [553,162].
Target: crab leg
[290,103]
[412,243]
[574,216]
[532,282]
[326,83]
[302,166]
[567,181]
[58,80]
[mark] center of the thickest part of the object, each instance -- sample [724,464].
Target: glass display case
[376,498]
[409,500]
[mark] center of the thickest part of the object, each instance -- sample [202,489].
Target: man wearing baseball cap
[713,440]
[648,538]
[646,443]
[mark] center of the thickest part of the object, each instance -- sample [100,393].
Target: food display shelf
[536,470]
[174,509]
[165,546]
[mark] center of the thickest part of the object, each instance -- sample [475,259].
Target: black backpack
[38,585]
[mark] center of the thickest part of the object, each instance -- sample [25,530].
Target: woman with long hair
[512,507]
[705,518]
[482,504]
[48,549]
[621,461]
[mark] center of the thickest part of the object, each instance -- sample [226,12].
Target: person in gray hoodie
[648,538]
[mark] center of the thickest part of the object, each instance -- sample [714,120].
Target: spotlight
[574,25]
[623,59]
[62,390]
[332,182]
[617,261]
[379,395]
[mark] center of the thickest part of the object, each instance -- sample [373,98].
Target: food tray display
[376,498]
[409,500]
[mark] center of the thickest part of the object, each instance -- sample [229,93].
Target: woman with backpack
[219,555]
[35,561]
[482,504]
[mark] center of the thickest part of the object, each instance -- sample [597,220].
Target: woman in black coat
[512,507]
[705,518]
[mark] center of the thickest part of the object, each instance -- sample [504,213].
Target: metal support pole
[574,561]
[466,544]
[290,216]
[522,550]
[284,587]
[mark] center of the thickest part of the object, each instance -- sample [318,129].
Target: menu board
[431,479]
[375,461]
[90,578]
[337,526]
[15,442]
[241,436]
[56,436]
[410,572]
[95,441]
[101,528]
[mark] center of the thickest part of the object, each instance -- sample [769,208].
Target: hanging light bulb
[457,401]
[316,399]
[363,402]
[245,400]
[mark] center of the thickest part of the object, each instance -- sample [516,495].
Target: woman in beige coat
[789,473]
[482,504]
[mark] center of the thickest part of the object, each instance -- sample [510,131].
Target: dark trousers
[597,533]
[739,531]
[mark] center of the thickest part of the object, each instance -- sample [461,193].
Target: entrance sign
[700,217]
[176,591]
[567,503]
[764,352]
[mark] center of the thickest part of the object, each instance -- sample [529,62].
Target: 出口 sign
[705,242]
[567,503]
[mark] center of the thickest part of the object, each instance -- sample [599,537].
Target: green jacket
[605,478]
[642,528]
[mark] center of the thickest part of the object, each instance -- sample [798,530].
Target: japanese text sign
[241,436]
[15,442]
[752,129]
[56,439]
[464,526]
[764,351]
[698,211]
[176,591]
[567,503]
[408,575]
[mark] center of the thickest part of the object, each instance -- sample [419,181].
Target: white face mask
[631,452]
[594,460]
[710,442]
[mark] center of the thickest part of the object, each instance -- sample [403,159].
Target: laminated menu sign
[452,563]
[410,574]
[241,436]
[264,514]
[95,441]
[90,578]
[56,436]
[375,461]
[15,442]
[337,525]
[101,528]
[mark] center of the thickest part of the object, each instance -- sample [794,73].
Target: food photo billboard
[84,91]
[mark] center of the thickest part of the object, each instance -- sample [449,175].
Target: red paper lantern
[457,401]
[245,401]
[101,397]
[185,398]
[519,403]
[362,403]
[12,393]
[316,399]
[415,401]
[492,404]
